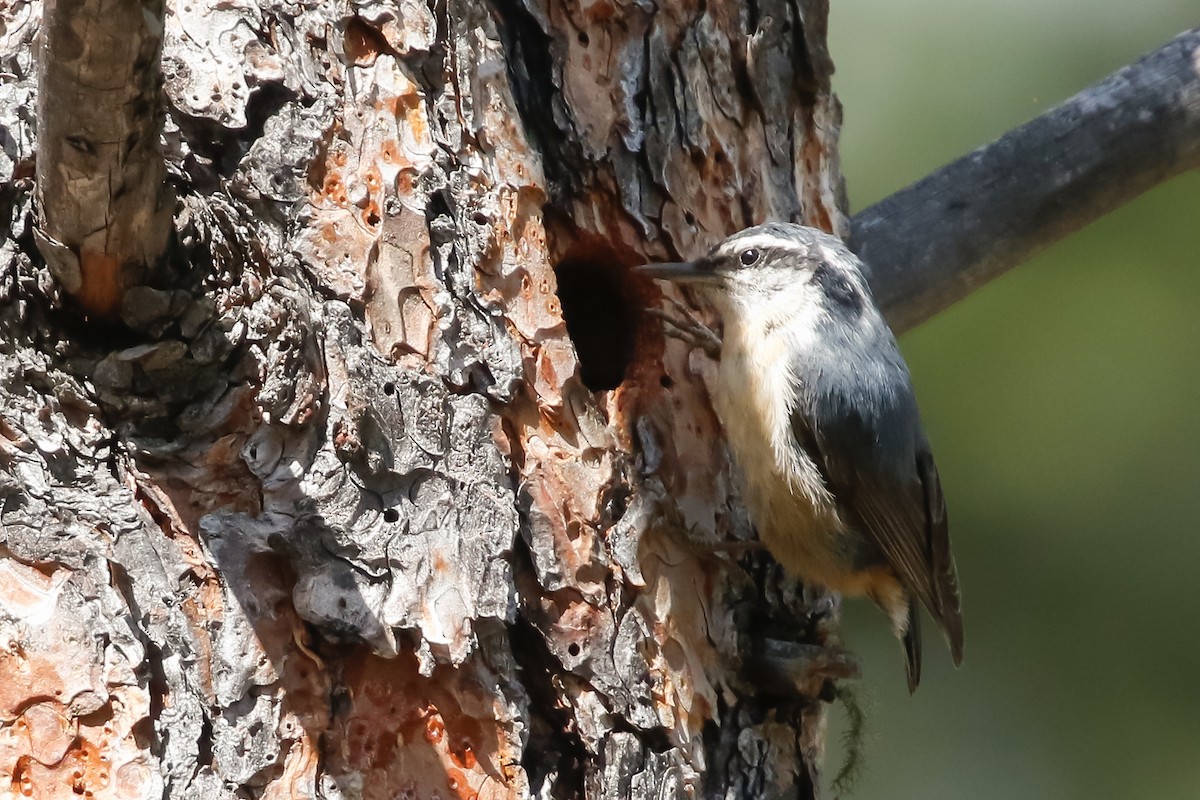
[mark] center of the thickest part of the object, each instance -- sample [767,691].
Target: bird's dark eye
[750,257]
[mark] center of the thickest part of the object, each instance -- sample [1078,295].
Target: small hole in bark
[583,39]
[665,381]
[600,313]
[389,388]
[390,515]
[573,649]
[689,218]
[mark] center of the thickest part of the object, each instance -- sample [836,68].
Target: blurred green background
[1062,403]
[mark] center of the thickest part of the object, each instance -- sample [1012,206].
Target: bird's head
[772,264]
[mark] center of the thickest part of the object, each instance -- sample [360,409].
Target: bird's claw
[687,328]
[807,669]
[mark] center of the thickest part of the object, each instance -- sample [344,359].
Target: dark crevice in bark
[653,740]
[554,747]
[223,148]
[439,222]
[361,39]
[531,67]
[204,747]
[733,772]
[268,100]
[805,82]
[157,686]
[433,65]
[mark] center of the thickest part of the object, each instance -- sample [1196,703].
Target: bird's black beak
[700,271]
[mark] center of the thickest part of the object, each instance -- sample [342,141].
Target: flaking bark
[333,512]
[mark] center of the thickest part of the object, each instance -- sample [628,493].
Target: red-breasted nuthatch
[819,412]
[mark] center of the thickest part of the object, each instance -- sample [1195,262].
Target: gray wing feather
[876,461]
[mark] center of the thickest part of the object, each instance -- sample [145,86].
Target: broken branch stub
[104,208]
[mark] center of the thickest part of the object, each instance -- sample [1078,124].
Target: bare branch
[935,242]
[104,208]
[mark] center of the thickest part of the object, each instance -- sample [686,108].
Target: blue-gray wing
[876,461]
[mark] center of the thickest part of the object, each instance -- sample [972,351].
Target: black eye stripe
[750,257]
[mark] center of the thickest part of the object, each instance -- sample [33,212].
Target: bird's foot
[736,548]
[683,326]
[796,668]
[823,604]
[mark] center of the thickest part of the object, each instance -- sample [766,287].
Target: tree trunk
[388,486]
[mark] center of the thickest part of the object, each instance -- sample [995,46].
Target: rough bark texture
[387,487]
[104,208]
[940,239]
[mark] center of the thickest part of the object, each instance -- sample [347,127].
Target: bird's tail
[912,646]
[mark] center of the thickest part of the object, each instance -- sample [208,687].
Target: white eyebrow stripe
[829,254]
[765,240]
